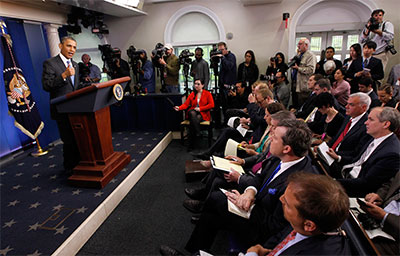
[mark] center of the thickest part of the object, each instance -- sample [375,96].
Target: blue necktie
[271,177]
[72,77]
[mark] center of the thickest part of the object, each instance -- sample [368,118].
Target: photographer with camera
[121,67]
[382,33]
[147,78]
[303,66]
[276,64]
[170,64]
[89,73]
[200,69]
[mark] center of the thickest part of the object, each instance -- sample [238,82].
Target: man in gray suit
[61,76]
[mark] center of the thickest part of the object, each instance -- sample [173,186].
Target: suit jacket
[314,245]
[374,64]
[389,192]
[374,100]
[53,82]
[206,103]
[354,140]
[267,211]
[380,167]
[307,106]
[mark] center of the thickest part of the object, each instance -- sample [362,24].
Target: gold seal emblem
[118,92]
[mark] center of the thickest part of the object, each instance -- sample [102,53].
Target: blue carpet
[39,210]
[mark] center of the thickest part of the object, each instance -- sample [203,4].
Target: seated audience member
[384,206]
[281,89]
[394,80]
[147,77]
[255,110]
[329,52]
[352,136]
[216,179]
[368,66]
[309,104]
[340,88]
[237,101]
[379,160]
[276,64]
[315,206]
[260,146]
[248,70]
[331,119]
[365,86]
[355,53]
[324,85]
[199,103]
[289,146]
[385,95]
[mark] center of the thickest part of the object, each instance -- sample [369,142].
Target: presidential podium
[89,115]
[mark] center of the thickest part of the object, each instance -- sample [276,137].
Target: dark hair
[222,43]
[283,75]
[330,47]
[65,38]
[324,83]
[274,107]
[324,99]
[366,81]
[377,11]
[342,70]
[357,49]
[253,58]
[317,77]
[386,88]
[322,200]
[199,49]
[282,56]
[370,44]
[297,136]
[199,79]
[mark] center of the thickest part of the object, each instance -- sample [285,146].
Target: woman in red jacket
[199,103]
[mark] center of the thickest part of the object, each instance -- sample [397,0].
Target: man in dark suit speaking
[61,76]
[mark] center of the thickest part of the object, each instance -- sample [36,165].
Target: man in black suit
[365,86]
[329,53]
[379,160]
[315,206]
[368,66]
[61,76]
[309,103]
[289,146]
[352,136]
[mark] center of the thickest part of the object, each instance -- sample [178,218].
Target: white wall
[259,27]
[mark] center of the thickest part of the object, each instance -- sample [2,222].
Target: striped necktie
[72,77]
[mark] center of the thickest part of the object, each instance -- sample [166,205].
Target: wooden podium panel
[89,115]
[99,163]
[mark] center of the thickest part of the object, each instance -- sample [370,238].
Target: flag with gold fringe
[19,98]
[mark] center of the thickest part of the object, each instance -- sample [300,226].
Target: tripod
[186,74]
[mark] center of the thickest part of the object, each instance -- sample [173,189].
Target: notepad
[321,150]
[236,210]
[225,165]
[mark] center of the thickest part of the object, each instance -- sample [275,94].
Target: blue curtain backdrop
[30,49]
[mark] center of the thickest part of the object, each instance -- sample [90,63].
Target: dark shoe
[196,194]
[166,250]
[194,206]
[195,218]
[201,155]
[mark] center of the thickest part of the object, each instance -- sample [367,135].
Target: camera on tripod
[184,57]
[295,60]
[134,57]
[374,24]
[157,54]
[110,56]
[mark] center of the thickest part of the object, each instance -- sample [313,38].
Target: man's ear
[309,226]
[287,149]
[60,45]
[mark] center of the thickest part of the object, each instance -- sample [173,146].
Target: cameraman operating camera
[90,73]
[381,33]
[147,77]
[171,69]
